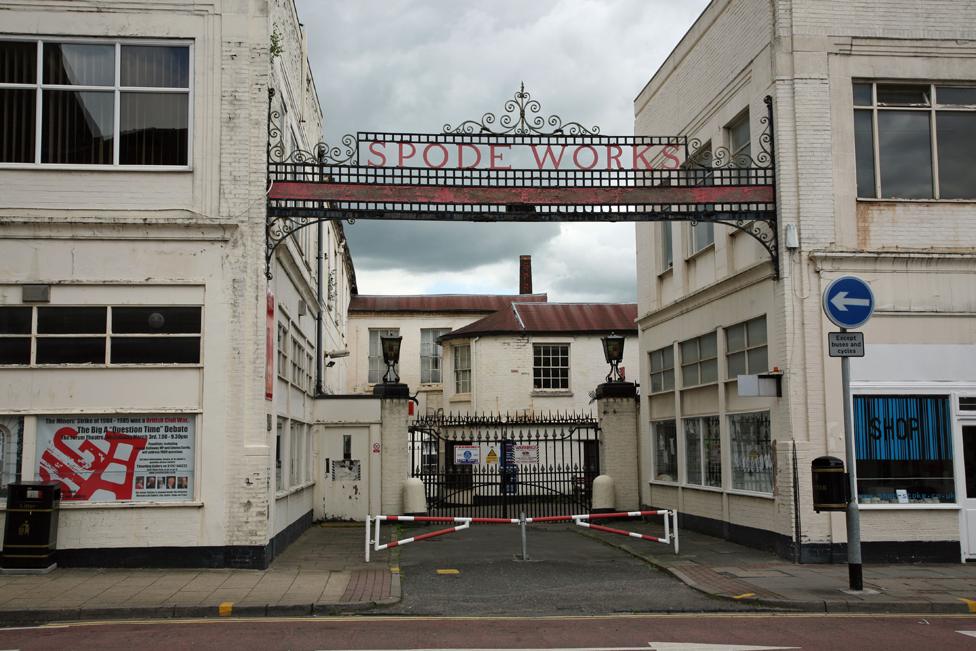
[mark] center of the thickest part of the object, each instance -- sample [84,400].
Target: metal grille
[499,465]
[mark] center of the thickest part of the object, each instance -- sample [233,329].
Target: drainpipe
[318,320]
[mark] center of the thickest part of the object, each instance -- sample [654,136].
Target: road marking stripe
[744,595]
[448,571]
[225,608]
[969,602]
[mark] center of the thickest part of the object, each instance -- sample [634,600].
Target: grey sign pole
[854,570]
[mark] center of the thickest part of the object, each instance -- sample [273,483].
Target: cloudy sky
[414,65]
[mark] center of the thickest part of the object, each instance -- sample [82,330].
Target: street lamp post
[391,387]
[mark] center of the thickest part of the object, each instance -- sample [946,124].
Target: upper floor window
[667,253]
[431,354]
[550,366]
[740,144]
[462,368]
[377,369]
[99,335]
[699,360]
[94,102]
[701,234]
[745,345]
[896,153]
[662,369]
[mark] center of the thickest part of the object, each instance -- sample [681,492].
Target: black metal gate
[499,465]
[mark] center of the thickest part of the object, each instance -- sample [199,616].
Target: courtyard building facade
[873,109]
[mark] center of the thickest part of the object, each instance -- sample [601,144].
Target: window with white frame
[701,234]
[99,334]
[11,450]
[431,354]
[282,342]
[462,368]
[376,366]
[703,451]
[745,348]
[550,366]
[665,450]
[914,141]
[667,246]
[740,145]
[699,360]
[94,102]
[296,454]
[281,431]
[662,369]
[752,452]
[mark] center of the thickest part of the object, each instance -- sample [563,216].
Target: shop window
[665,450]
[550,366]
[11,450]
[895,152]
[431,355]
[699,360]
[752,455]
[99,103]
[377,369]
[280,433]
[903,446]
[745,345]
[703,451]
[462,368]
[662,369]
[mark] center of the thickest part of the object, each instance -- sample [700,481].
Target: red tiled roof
[538,318]
[440,302]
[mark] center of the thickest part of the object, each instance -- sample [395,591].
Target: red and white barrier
[373,541]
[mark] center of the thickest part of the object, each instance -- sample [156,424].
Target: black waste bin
[830,491]
[30,532]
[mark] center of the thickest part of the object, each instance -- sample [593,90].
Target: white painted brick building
[873,105]
[132,277]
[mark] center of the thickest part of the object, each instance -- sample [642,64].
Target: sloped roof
[564,318]
[440,302]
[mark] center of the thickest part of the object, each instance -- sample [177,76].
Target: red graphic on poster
[83,471]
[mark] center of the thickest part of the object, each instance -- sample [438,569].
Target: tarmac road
[620,633]
[567,573]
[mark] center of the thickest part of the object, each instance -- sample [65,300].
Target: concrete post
[617,411]
[395,457]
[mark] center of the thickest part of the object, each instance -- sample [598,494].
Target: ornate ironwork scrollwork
[518,120]
[722,157]
[346,153]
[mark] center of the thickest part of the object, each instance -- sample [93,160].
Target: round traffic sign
[848,302]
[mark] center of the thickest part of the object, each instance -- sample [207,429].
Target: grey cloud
[439,246]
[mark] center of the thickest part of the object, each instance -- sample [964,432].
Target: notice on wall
[467,455]
[118,457]
[524,455]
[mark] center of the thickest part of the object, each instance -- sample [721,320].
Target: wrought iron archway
[329,182]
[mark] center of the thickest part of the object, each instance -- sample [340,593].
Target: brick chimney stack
[525,274]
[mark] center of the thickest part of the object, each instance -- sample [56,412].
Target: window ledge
[700,252]
[700,386]
[61,167]
[81,506]
[460,397]
[663,273]
[898,200]
[294,489]
[744,493]
[908,507]
[663,482]
[551,393]
[707,489]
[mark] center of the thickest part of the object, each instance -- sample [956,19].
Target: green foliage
[276,48]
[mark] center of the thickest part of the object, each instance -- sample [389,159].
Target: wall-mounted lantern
[613,351]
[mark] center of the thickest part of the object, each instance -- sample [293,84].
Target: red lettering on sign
[401,147]
[477,153]
[576,159]
[668,153]
[614,157]
[444,155]
[548,155]
[640,154]
[496,156]
[373,150]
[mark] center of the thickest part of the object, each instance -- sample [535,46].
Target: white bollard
[414,497]
[603,494]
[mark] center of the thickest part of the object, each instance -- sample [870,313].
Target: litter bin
[830,490]
[30,532]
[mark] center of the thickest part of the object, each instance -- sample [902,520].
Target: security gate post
[525,552]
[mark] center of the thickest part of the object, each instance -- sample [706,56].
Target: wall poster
[138,458]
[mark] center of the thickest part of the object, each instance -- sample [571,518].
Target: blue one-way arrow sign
[848,302]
